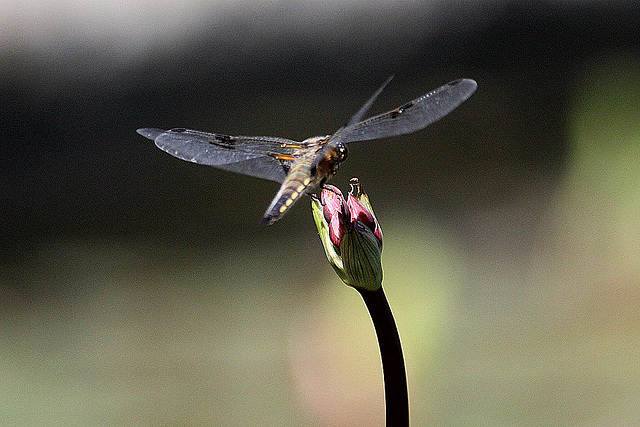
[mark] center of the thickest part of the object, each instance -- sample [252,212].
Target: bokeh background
[137,289]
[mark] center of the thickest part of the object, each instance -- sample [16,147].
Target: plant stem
[395,377]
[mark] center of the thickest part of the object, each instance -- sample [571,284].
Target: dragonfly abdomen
[295,185]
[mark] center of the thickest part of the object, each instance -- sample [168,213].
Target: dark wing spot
[395,113]
[285,167]
[225,138]
[224,141]
[406,106]
[178,130]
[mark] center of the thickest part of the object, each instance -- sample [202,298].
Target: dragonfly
[303,166]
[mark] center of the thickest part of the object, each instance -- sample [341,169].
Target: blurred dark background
[140,289]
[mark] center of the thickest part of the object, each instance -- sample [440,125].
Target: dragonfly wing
[357,117]
[259,156]
[410,117]
[260,167]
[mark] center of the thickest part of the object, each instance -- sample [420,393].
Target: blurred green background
[137,289]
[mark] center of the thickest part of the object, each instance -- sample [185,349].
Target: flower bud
[351,235]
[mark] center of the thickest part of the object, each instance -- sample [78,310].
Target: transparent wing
[410,117]
[357,117]
[259,156]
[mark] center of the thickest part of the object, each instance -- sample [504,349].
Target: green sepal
[361,259]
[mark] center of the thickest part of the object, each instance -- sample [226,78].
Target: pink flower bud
[351,235]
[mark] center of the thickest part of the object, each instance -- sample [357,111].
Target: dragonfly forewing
[411,116]
[259,156]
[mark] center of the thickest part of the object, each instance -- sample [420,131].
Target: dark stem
[395,377]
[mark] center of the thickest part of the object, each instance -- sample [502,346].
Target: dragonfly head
[340,152]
